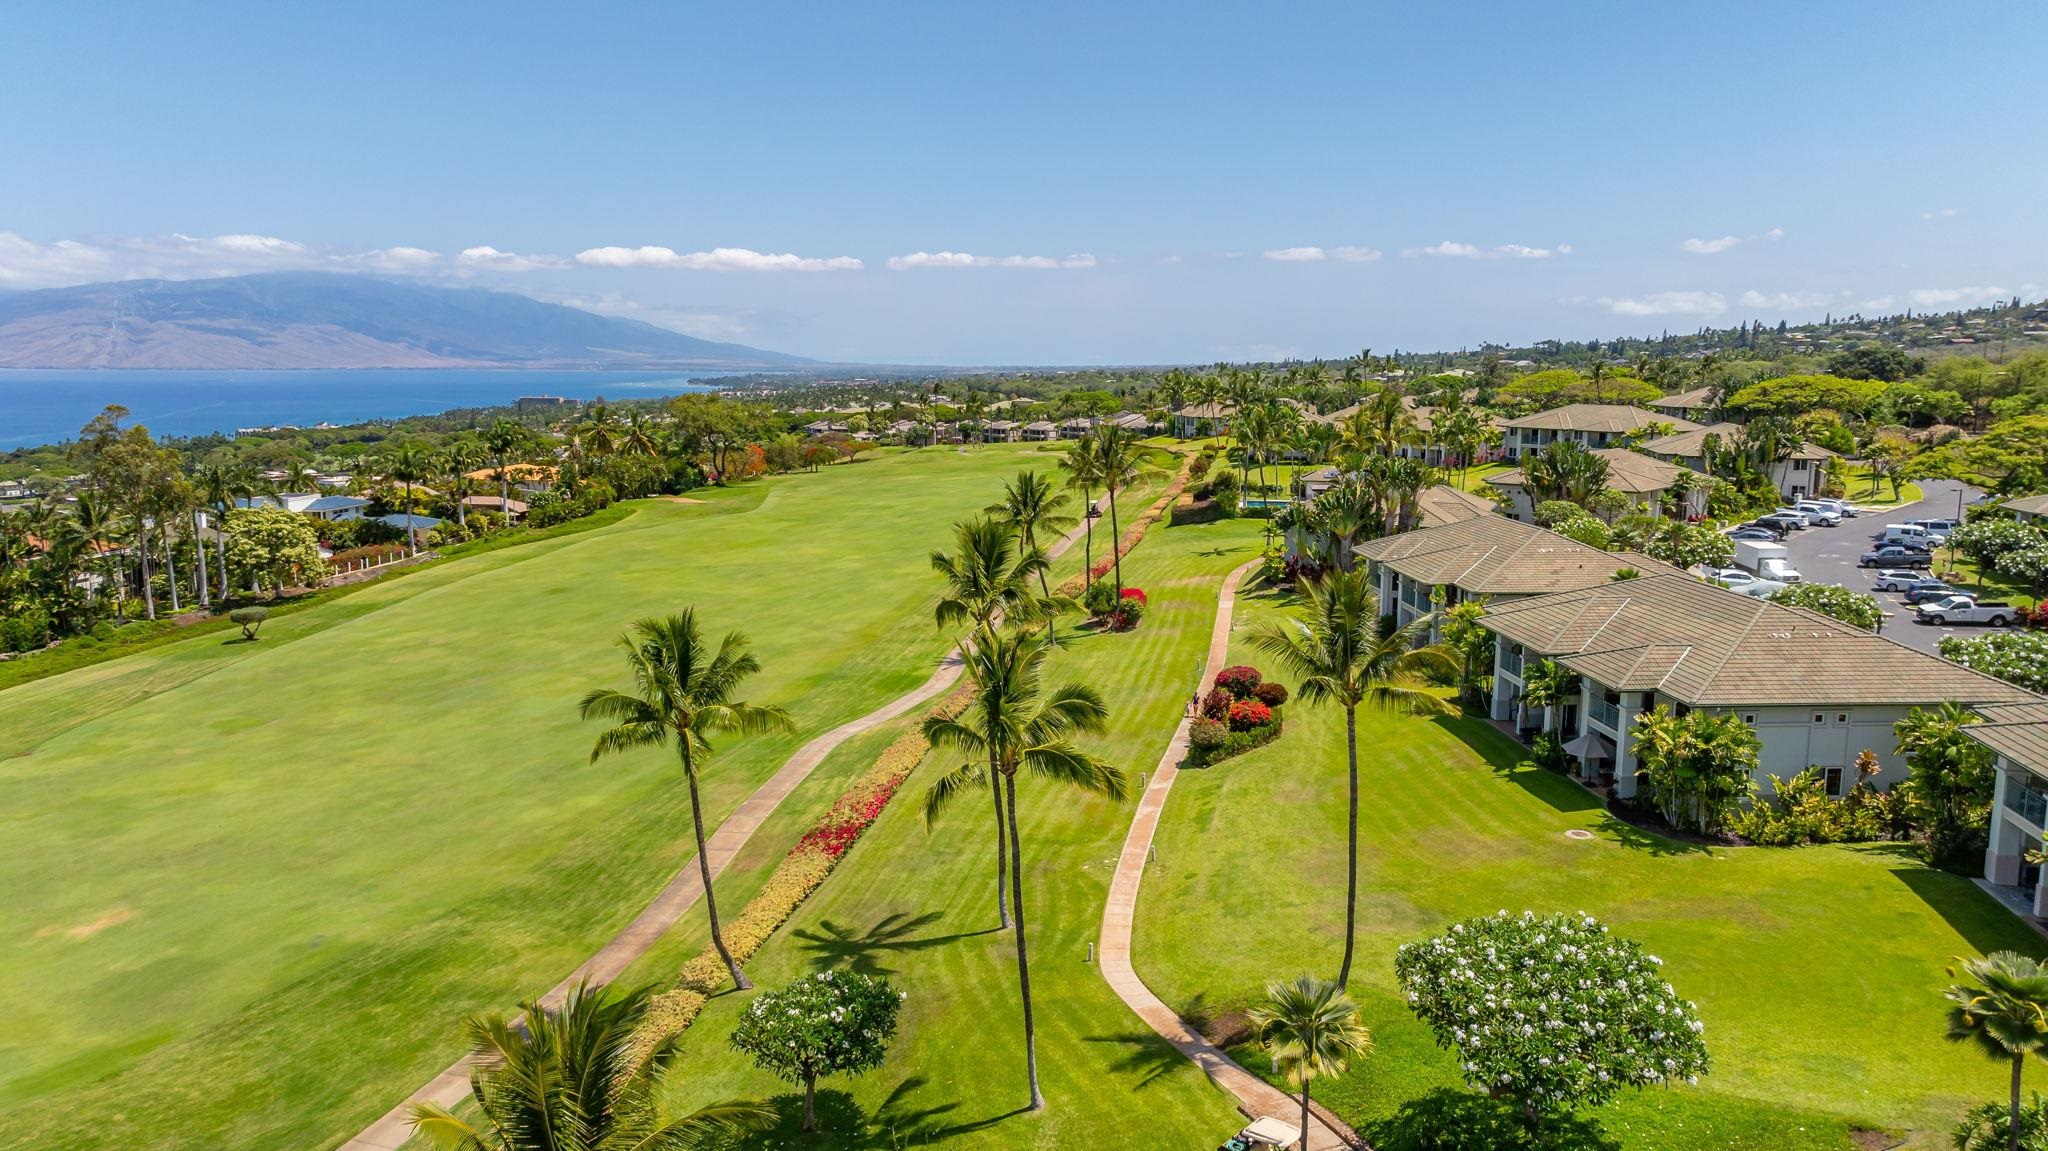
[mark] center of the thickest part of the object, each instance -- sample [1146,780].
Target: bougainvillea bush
[1235,716]
[1239,681]
[1551,1012]
[1246,714]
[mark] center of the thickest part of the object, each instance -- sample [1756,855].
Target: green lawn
[920,908]
[1474,479]
[254,886]
[1857,489]
[1817,971]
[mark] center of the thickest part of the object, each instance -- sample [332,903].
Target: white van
[1912,534]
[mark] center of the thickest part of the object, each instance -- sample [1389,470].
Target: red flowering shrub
[1216,705]
[1136,594]
[1272,693]
[1120,621]
[1239,681]
[1246,714]
[1207,735]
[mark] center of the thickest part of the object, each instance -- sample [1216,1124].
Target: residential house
[1076,428]
[2018,734]
[1802,474]
[2028,509]
[1487,557]
[1817,691]
[1696,405]
[1039,431]
[406,521]
[333,508]
[528,478]
[1642,479]
[1198,420]
[510,509]
[1135,422]
[1000,432]
[1594,425]
[827,428]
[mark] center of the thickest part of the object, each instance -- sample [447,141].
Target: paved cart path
[1255,1096]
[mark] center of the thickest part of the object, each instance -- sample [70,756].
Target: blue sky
[1052,183]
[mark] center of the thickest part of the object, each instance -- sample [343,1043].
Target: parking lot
[1828,555]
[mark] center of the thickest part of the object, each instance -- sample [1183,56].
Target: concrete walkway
[1254,1095]
[451,1086]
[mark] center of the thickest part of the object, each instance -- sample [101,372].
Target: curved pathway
[451,1086]
[1255,1096]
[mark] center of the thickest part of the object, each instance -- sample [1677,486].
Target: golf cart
[1263,1132]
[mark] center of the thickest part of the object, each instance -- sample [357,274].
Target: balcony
[1607,715]
[1511,661]
[2026,803]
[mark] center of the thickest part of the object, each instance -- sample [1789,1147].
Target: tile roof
[2017,731]
[1206,411]
[1690,443]
[1494,555]
[1611,418]
[1444,504]
[1709,647]
[1627,471]
[1681,401]
[2032,505]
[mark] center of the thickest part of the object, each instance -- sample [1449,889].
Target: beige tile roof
[1681,401]
[2018,732]
[1611,418]
[1627,471]
[1207,411]
[1709,647]
[2032,505]
[1494,555]
[1690,443]
[1444,504]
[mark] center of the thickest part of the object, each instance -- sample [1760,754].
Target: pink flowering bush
[1240,681]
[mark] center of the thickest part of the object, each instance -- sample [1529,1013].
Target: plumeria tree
[2019,657]
[1551,1012]
[1855,608]
[831,1023]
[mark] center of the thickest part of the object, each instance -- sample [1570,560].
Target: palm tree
[1084,472]
[1565,470]
[1017,726]
[578,1079]
[1031,505]
[1309,1027]
[989,576]
[503,439]
[2003,1012]
[1118,455]
[1339,654]
[409,465]
[683,692]
[461,457]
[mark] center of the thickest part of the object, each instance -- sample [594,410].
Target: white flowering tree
[830,1023]
[1551,1012]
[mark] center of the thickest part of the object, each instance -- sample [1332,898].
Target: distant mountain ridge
[335,320]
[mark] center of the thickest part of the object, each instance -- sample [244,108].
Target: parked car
[1742,582]
[1756,535]
[1896,556]
[1899,579]
[1783,522]
[1942,528]
[1820,513]
[1842,508]
[1929,590]
[1812,519]
[1911,534]
[1963,609]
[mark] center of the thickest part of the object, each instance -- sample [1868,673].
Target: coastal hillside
[325,320]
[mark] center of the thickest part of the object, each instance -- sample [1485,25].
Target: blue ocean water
[39,407]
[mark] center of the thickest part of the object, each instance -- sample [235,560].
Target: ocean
[41,407]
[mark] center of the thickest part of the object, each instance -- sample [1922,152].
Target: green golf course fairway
[253,887]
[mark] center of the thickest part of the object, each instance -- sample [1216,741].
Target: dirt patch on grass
[113,917]
[678,500]
[1866,1139]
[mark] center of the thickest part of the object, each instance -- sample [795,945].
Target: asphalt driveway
[1828,555]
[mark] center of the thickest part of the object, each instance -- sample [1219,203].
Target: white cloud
[398,259]
[24,263]
[1170,260]
[715,260]
[1456,250]
[1943,214]
[1954,297]
[1775,234]
[245,243]
[1709,247]
[969,260]
[1667,304]
[485,256]
[1784,301]
[1295,255]
[1356,255]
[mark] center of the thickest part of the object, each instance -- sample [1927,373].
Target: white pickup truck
[1963,609]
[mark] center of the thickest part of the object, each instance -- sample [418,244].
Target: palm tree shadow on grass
[844,1126]
[1144,1054]
[1510,761]
[1451,1120]
[1971,912]
[840,945]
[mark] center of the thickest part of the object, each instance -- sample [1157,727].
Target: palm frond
[1062,762]
[446,1130]
[949,787]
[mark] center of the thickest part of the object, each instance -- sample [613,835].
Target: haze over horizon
[1066,186]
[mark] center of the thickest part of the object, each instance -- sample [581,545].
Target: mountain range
[334,320]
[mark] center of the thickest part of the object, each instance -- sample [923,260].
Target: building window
[1842,717]
[1749,718]
[1798,465]
[1833,776]
[1820,717]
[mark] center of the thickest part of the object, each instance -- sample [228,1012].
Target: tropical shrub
[1130,609]
[1951,783]
[26,630]
[1101,598]
[1246,714]
[1271,693]
[1700,765]
[249,619]
[1799,811]
[834,1022]
[1855,608]
[1547,752]
[2015,657]
[1207,734]
[1987,1128]
[1554,1012]
[1240,680]
[1216,704]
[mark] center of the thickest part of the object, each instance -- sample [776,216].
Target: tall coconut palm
[1121,459]
[409,465]
[1015,726]
[989,575]
[683,693]
[461,457]
[578,1079]
[1338,653]
[1084,473]
[1032,507]
[1309,1028]
[2002,1011]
